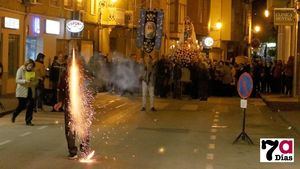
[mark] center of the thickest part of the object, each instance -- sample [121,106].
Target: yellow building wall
[88,17]
[12,4]
[215,16]
[226,12]
[220,11]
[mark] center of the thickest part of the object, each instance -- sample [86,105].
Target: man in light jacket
[26,83]
[148,81]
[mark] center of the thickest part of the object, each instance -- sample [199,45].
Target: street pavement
[9,104]
[182,134]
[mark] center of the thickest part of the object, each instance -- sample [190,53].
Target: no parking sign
[245,85]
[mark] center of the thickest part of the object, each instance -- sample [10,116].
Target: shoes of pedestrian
[72,156]
[143,109]
[29,124]
[153,109]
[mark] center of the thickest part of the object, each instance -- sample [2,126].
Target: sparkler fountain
[80,106]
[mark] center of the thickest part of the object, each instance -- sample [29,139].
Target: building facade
[231,37]
[29,27]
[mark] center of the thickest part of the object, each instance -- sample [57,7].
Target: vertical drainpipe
[24,32]
[294,50]
[249,26]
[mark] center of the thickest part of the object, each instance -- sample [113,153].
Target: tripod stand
[243,134]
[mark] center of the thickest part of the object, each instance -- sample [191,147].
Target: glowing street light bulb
[219,25]
[267,13]
[161,150]
[257,28]
[113,1]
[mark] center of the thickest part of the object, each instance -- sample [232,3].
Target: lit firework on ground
[80,106]
[88,158]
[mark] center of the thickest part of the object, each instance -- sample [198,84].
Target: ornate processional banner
[150,32]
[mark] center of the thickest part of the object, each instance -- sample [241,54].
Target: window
[93,7]
[31,45]
[11,23]
[55,3]
[13,54]
[80,4]
[68,3]
[52,27]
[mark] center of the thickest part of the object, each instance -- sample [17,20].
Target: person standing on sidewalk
[40,71]
[26,82]
[289,73]
[58,67]
[148,81]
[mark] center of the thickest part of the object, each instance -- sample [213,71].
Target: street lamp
[113,1]
[218,25]
[267,13]
[257,29]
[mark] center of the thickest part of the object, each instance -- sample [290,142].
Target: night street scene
[149,84]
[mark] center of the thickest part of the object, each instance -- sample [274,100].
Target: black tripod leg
[237,139]
[248,139]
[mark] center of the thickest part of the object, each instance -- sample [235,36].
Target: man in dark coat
[203,79]
[64,99]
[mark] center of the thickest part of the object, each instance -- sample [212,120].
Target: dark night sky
[268,32]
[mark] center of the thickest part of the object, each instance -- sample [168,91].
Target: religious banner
[159,29]
[140,29]
[150,30]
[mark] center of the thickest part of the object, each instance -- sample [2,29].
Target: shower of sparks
[80,105]
[88,158]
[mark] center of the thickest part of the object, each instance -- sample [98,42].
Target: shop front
[11,47]
[42,36]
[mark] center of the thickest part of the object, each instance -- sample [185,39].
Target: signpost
[285,16]
[244,87]
[75,26]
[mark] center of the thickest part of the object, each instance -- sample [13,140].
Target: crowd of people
[219,78]
[273,77]
[202,78]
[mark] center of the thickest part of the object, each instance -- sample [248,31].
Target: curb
[277,105]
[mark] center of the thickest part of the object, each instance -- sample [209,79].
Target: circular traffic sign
[245,85]
[208,41]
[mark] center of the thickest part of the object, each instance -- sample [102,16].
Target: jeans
[71,137]
[23,104]
[148,88]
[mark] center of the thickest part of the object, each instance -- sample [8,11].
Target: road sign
[245,85]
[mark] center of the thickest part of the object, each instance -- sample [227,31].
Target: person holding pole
[148,81]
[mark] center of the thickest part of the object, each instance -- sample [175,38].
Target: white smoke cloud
[123,73]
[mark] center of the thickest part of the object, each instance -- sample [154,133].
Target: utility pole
[249,27]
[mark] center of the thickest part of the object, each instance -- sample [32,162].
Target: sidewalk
[281,102]
[9,102]
[287,109]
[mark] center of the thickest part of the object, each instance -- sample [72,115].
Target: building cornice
[13,11]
